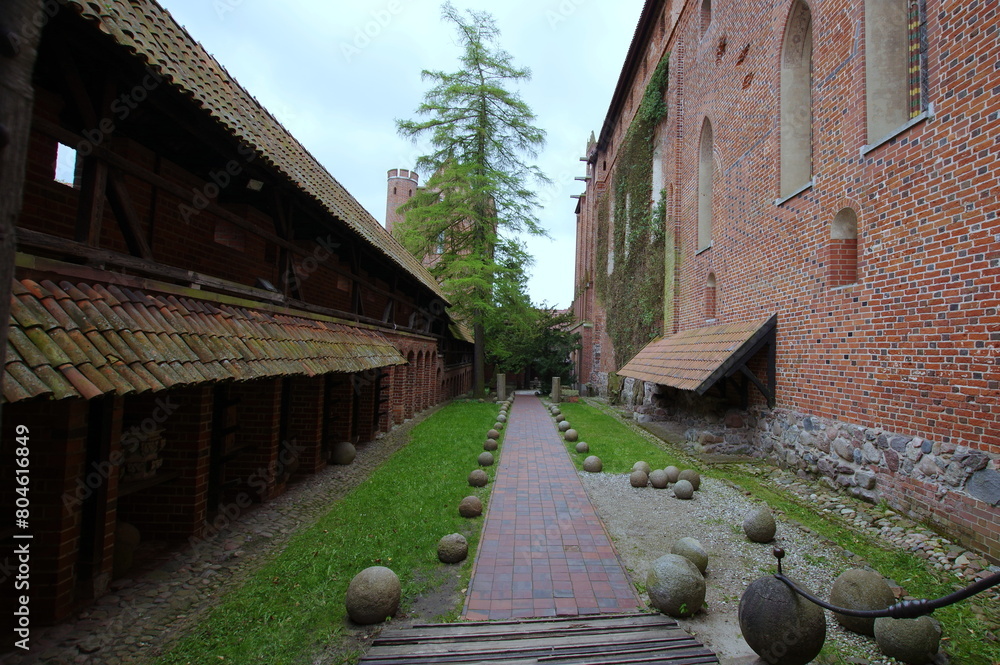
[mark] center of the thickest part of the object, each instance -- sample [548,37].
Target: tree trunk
[19,36]
[479,359]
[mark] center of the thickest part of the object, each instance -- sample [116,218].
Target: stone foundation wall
[952,488]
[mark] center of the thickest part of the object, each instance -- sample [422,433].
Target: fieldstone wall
[953,488]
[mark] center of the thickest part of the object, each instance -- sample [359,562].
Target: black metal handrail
[907,609]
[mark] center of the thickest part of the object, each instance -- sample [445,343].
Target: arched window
[894,65]
[706,16]
[796,101]
[842,251]
[706,174]
[710,298]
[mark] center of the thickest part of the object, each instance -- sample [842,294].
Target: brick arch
[409,389]
[711,297]
[842,254]
[795,150]
[706,183]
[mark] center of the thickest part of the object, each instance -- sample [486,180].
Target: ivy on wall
[631,257]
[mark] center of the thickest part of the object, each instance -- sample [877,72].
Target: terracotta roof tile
[695,359]
[148,31]
[89,340]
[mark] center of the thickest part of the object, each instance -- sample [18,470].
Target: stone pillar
[556,389]
[501,387]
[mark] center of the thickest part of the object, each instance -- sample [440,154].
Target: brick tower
[402,185]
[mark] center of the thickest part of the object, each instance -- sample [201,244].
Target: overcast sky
[338,75]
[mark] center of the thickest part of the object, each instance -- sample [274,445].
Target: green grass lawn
[617,444]
[294,606]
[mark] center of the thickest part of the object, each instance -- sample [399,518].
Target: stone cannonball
[593,464]
[498,426]
[691,549]
[501,418]
[373,595]
[582,447]
[638,478]
[672,473]
[556,411]
[563,425]
[691,476]
[571,435]
[453,548]
[912,641]
[493,434]
[343,453]
[683,490]
[478,478]
[675,586]
[486,459]
[490,444]
[782,627]
[759,525]
[643,466]
[859,589]
[658,479]
[470,506]
[560,417]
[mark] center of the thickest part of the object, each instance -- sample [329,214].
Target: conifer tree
[479,194]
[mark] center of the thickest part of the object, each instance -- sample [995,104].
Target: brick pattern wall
[907,342]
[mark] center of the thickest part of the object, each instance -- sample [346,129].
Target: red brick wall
[911,347]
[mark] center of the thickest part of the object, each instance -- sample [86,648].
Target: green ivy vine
[633,293]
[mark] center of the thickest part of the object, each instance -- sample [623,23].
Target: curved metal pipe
[907,609]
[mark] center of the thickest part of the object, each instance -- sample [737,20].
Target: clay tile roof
[695,359]
[135,342]
[150,32]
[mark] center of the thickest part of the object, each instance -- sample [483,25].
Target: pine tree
[478,196]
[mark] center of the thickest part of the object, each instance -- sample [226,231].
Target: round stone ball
[912,641]
[571,435]
[638,478]
[781,626]
[564,425]
[493,434]
[675,585]
[486,459]
[556,411]
[560,417]
[498,426]
[343,453]
[478,478]
[859,589]
[593,464]
[691,476]
[683,490]
[373,595]
[759,525]
[501,418]
[691,549]
[658,479]
[470,506]
[453,548]
[490,444]
[642,466]
[672,473]
[582,447]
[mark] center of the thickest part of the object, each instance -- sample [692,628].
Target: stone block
[985,486]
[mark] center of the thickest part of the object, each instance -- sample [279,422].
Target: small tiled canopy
[83,340]
[696,359]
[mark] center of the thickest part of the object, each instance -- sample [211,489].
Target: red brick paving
[544,551]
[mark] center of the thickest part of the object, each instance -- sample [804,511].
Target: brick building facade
[200,311]
[830,163]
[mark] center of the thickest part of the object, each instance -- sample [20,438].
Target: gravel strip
[645,523]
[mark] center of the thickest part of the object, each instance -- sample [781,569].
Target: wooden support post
[501,387]
[556,389]
[90,212]
[128,219]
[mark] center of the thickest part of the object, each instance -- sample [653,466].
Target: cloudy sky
[338,75]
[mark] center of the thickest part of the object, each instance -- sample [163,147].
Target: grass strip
[967,634]
[294,606]
[618,445]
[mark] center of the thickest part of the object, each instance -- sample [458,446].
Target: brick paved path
[544,551]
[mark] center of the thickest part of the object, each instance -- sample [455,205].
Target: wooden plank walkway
[646,639]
